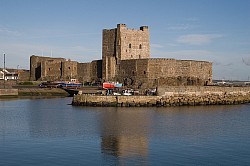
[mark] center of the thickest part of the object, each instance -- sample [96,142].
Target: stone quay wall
[8,92]
[173,96]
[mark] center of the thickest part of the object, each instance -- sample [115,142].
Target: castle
[125,58]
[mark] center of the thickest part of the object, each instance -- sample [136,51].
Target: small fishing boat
[70,85]
[73,83]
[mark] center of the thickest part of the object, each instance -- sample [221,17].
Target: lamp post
[17,73]
[4,70]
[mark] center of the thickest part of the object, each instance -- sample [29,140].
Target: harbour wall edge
[172,96]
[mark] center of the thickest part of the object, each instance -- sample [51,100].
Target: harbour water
[53,132]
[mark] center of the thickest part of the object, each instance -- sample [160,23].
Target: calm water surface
[51,132]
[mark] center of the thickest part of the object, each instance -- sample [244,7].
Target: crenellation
[144,28]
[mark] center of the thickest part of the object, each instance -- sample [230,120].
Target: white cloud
[180,27]
[197,39]
[154,45]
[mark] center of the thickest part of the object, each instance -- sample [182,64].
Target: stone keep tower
[122,43]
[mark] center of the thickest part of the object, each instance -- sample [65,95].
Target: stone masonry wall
[199,90]
[36,70]
[133,72]
[132,43]
[199,69]
[89,72]
[109,68]
[54,69]
[96,70]
[69,70]
[84,72]
[159,71]
[51,70]
[108,53]
[8,92]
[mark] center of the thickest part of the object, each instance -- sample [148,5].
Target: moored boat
[70,85]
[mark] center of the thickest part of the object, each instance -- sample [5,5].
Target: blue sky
[211,30]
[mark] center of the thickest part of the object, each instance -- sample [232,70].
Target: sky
[205,30]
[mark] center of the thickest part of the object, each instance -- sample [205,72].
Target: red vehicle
[108,85]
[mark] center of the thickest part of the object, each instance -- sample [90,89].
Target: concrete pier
[172,97]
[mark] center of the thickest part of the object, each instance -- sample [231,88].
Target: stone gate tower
[122,43]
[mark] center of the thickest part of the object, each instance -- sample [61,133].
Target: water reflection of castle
[125,146]
[125,134]
[122,132]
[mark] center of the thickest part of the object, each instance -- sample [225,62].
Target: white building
[1,75]
[5,74]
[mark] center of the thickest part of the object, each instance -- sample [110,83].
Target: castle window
[144,72]
[131,56]
[69,68]
[139,56]
[129,46]
[49,69]
[140,47]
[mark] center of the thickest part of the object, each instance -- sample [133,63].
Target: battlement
[124,26]
[195,61]
[121,25]
[162,59]
[144,28]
